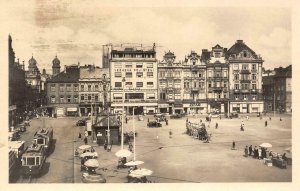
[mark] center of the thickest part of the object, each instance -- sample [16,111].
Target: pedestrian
[170,134]
[85,140]
[200,121]
[233,145]
[220,117]
[79,135]
[266,123]
[263,153]
[148,120]
[187,119]
[217,125]
[86,134]
[247,117]
[126,120]
[255,152]
[280,119]
[250,150]
[259,153]
[270,118]
[167,122]
[246,151]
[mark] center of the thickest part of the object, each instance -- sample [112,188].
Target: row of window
[129,74]
[68,87]
[63,99]
[245,66]
[133,96]
[137,84]
[127,55]
[244,77]
[244,86]
[131,65]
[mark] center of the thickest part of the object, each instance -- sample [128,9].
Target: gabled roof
[71,75]
[205,55]
[238,47]
[102,121]
[93,72]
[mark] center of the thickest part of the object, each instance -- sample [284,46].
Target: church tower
[55,66]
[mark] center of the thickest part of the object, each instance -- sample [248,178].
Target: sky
[76,30]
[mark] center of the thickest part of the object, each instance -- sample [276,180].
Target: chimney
[65,71]
[78,64]
[239,41]
[23,64]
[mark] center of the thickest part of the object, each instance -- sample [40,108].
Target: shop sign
[195,104]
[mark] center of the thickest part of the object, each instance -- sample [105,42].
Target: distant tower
[55,66]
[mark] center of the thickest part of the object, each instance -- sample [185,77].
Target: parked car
[154,124]
[176,116]
[161,117]
[232,115]
[81,122]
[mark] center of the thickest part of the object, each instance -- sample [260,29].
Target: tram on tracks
[33,160]
[16,150]
[44,137]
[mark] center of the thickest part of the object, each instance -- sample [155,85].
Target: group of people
[256,152]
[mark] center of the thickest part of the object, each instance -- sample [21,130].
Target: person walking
[170,134]
[250,150]
[266,123]
[79,135]
[246,151]
[167,122]
[259,153]
[255,152]
[217,125]
[85,140]
[233,145]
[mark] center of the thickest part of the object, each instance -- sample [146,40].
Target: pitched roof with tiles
[238,47]
[93,72]
[70,75]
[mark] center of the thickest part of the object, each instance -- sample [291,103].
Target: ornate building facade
[94,88]
[194,86]
[217,79]
[245,79]
[170,84]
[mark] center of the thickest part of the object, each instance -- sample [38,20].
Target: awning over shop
[72,109]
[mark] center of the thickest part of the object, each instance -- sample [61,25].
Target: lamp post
[133,133]
[122,128]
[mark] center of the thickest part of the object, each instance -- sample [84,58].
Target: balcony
[188,101]
[245,91]
[245,81]
[245,71]
[217,99]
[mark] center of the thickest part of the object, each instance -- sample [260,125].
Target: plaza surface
[178,159]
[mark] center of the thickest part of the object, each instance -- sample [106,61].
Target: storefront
[163,108]
[247,107]
[101,132]
[72,111]
[196,108]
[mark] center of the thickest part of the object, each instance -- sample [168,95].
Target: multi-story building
[277,89]
[245,79]
[133,71]
[33,75]
[94,88]
[217,79]
[63,92]
[194,84]
[170,84]
[17,86]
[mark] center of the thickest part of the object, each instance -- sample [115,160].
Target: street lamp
[122,128]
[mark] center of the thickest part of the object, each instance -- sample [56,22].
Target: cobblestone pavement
[177,159]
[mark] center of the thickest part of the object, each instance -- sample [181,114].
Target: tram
[44,137]
[33,160]
[16,150]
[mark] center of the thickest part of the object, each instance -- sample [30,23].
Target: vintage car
[161,117]
[154,124]
[92,178]
[176,116]
[140,118]
[81,122]
[231,115]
